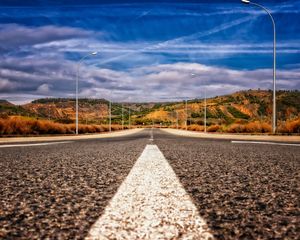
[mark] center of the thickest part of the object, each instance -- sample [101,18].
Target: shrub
[222,115]
[265,127]
[252,127]
[195,127]
[213,128]
[237,113]
[21,126]
[262,109]
[236,128]
[292,126]
[196,115]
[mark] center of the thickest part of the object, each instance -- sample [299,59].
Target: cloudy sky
[147,49]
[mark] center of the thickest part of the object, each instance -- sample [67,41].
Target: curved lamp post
[205,105]
[122,116]
[185,100]
[186,113]
[77,78]
[172,98]
[274,61]
[110,103]
[129,118]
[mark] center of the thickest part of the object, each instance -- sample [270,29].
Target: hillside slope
[241,106]
[238,108]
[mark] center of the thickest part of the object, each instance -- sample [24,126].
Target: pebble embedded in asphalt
[59,191]
[242,191]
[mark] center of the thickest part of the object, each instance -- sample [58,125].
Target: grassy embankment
[29,126]
[289,127]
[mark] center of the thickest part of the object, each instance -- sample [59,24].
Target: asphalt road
[243,191]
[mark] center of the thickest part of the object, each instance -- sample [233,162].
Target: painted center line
[151,135]
[150,204]
[268,143]
[32,144]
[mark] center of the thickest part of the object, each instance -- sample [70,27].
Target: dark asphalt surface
[58,191]
[243,191]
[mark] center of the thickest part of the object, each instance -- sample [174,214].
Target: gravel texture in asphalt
[151,204]
[243,191]
[59,191]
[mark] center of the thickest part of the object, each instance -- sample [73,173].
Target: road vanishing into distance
[149,185]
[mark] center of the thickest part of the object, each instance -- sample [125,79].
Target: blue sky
[147,49]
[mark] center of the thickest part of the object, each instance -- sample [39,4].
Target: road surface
[176,186]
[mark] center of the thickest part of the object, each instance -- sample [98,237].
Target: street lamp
[110,115]
[176,119]
[186,110]
[109,111]
[122,116]
[274,61]
[172,98]
[205,106]
[77,78]
[185,100]
[186,114]
[129,118]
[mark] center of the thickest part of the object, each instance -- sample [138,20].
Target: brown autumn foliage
[252,127]
[291,126]
[22,126]
[195,127]
[213,128]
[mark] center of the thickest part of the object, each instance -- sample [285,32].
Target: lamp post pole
[274,120]
[205,103]
[129,119]
[110,115]
[176,119]
[205,109]
[176,110]
[122,117]
[77,79]
[186,114]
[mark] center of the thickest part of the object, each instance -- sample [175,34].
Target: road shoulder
[72,137]
[185,133]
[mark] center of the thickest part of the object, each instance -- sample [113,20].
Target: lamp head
[245,1]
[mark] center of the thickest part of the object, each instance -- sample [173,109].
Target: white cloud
[14,36]
[147,83]
[43,89]
[6,85]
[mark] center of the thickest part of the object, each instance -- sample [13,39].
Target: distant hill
[9,109]
[239,107]
[5,103]
[243,106]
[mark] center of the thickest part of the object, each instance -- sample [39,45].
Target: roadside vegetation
[288,127]
[241,112]
[27,126]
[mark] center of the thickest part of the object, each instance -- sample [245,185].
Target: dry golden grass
[160,115]
[252,127]
[214,128]
[23,126]
[241,126]
[291,126]
[196,127]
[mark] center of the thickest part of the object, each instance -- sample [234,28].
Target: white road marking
[32,144]
[150,204]
[151,135]
[268,143]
